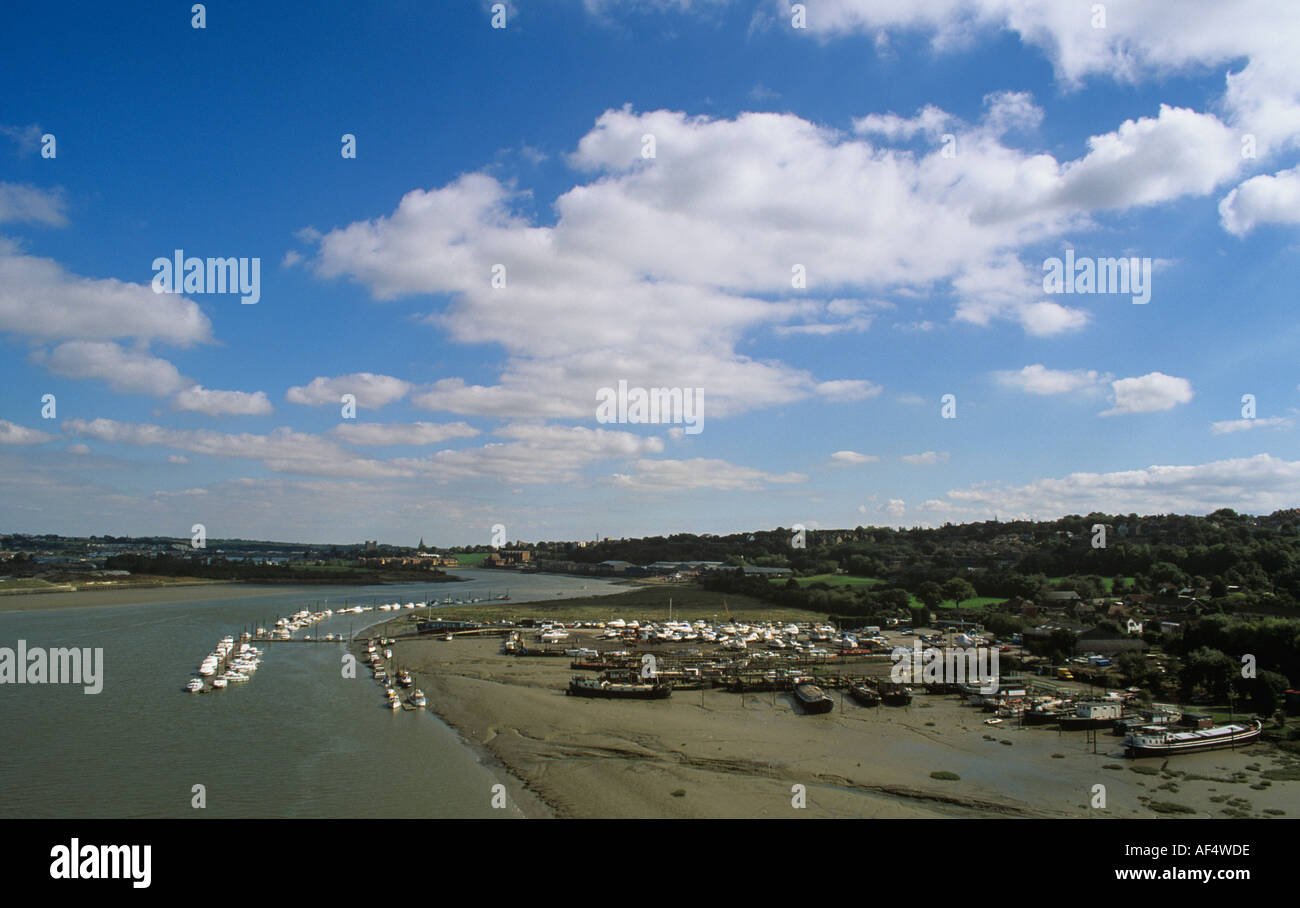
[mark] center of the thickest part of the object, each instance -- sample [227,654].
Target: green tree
[958,590]
[895,599]
[1266,692]
[1210,669]
[930,593]
[1133,668]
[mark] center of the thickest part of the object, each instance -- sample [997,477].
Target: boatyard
[705,727]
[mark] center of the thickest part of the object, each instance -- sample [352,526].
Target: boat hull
[1075,723]
[865,697]
[620,691]
[813,699]
[1193,745]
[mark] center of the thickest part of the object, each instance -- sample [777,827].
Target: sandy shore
[140,595]
[717,754]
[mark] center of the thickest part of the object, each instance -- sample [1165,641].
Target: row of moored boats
[229,663]
[400,677]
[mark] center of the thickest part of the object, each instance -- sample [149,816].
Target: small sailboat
[394,704]
[418,700]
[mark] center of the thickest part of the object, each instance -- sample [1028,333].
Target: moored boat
[865,695]
[418,700]
[1047,712]
[194,686]
[811,697]
[1159,740]
[590,687]
[1092,715]
[896,695]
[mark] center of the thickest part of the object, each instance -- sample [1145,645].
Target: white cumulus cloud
[371,391]
[1149,393]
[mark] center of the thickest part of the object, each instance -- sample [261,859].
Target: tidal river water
[298,740]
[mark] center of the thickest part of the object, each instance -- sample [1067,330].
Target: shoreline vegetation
[31,587]
[101,596]
[162,566]
[147,590]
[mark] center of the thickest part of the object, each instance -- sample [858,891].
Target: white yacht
[195,685]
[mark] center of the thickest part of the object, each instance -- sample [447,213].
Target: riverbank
[195,591]
[717,754]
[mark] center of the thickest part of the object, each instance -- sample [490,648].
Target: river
[298,740]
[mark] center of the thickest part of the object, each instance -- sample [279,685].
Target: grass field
[26,583]
[645,603]
[977,602]
[470,559]
[837,580]
[845,580]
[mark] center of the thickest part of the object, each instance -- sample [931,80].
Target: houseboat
[811,697]
[1160,740]
[896,695]
[1047,712]
[1093,715]
[1158,715]
[865,695]
[610,690]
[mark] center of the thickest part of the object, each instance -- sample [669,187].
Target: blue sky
[920,160]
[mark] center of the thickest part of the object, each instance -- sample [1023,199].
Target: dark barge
[811,697]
